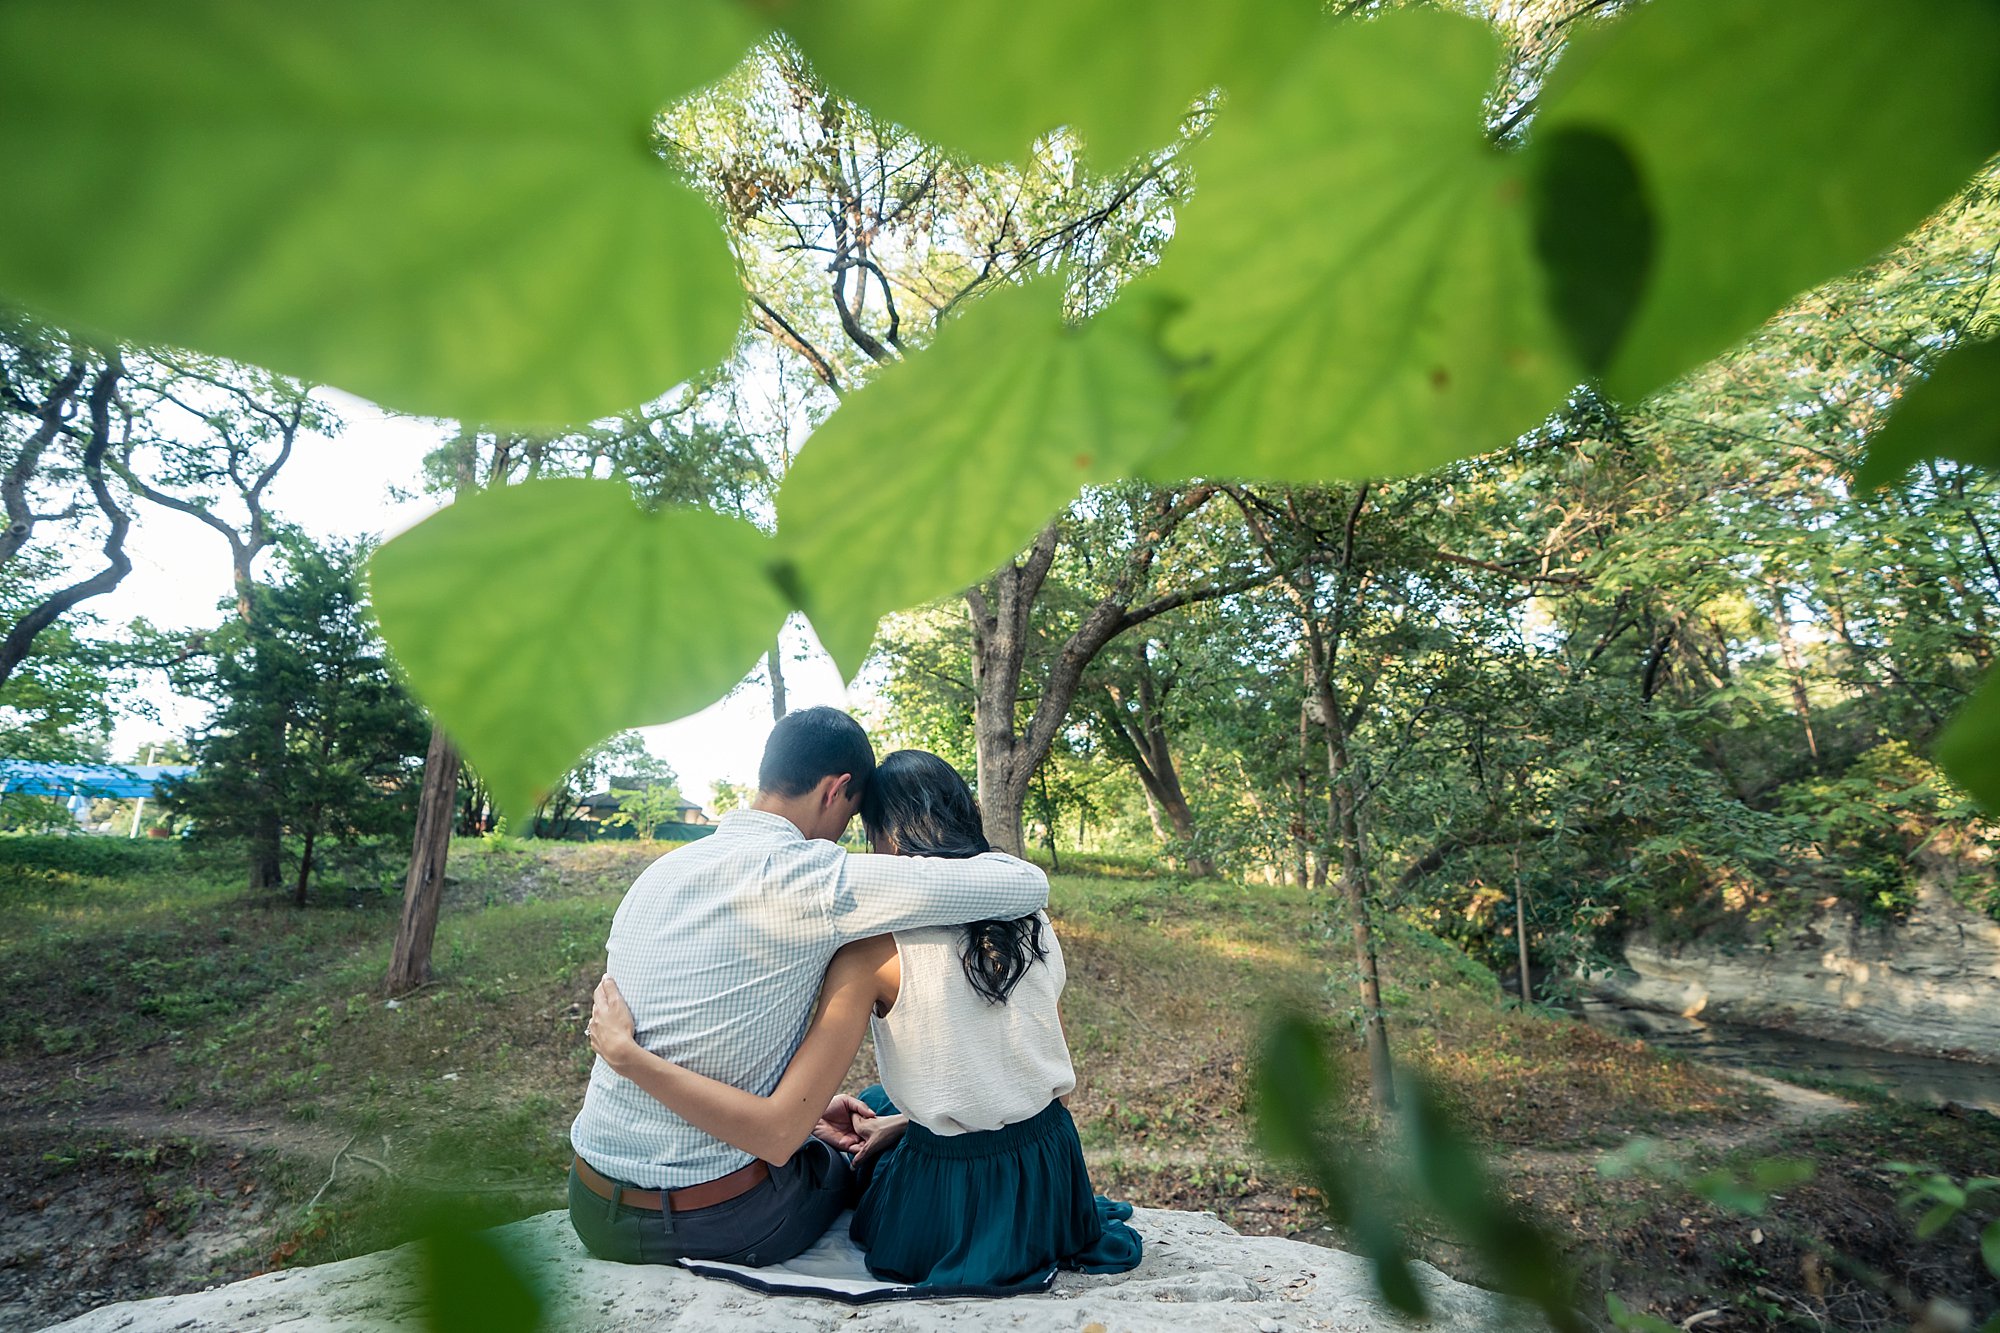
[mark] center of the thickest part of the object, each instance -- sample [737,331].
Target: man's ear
[834,788]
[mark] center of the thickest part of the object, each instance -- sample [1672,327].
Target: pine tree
[312,726]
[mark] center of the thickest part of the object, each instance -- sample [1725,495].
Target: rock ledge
[1198,1275]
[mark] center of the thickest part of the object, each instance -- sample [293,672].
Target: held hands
[836,1127]
[610,1029]
[878,1133]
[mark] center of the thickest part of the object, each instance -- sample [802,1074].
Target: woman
[978,1180]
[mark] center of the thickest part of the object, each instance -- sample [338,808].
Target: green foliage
[1955,413]
[313,735]
[1747,1191]
[895,503]
[1970,748]
[986,79]
[1358,279]
[623,760]
[1944,1198]
[454,209]
[1866,117]
[1296,1084]
[97,858]
[1870,820]
[472,1284]
[531,644]
[1634,1321]
[644,811]
[1359,207]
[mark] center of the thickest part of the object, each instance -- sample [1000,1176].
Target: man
[719,949]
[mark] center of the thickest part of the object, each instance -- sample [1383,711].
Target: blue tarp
[119,782]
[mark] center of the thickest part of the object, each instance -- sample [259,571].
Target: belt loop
[617,1194]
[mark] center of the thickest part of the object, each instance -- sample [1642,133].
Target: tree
[307,666]
[63,419]
[644,809]
[57,704]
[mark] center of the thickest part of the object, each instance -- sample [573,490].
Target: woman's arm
[768,1127]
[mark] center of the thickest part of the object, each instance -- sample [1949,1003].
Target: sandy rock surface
[1198,1275]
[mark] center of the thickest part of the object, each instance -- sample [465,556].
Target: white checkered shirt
[720,947]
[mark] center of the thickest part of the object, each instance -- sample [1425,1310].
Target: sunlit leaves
[1780,143]
[946,465]
[451,208]
[986,79]
[1954,414]
[539,619]
[1357,269]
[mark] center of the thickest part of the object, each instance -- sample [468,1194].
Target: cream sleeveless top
[955,1061]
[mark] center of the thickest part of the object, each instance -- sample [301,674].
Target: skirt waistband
[1052,1120]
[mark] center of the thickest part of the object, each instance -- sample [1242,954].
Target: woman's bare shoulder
[864,956]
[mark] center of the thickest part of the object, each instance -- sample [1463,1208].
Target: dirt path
[1792,1107]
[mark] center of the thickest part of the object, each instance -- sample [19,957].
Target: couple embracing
[744,969]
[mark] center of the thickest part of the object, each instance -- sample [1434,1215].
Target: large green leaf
[1781,143]
[538,619]
[1969,747]
[452,208]
[1954,414]
[945,465]
[1358,269]
[986,79]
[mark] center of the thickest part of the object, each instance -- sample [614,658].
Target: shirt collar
[760,822]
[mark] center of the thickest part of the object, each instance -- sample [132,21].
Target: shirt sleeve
[874,895]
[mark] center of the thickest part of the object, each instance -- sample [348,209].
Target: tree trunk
[1143,741]
[267,837]
[1788,650]
[267,843]
[437,803]
[305,869]
[1521,940]
[777,669]
[1346,831]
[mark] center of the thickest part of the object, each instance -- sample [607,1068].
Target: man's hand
[836,1127]
[878,1133]
[611,1029]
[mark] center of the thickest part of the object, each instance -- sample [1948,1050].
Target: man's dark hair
[811,744]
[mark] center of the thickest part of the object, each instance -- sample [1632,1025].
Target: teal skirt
[998,1211]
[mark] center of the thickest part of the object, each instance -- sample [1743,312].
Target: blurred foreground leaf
[1296,1084]
[538,619]
[1969,746]
[1358,269]
[470,1284]
[946,465]
[987,79]
[1831,129]
[450,208]
[1520,1258]
[1954,414]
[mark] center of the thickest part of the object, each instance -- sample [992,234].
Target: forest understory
[210,1087]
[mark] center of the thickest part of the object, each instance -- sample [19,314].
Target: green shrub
[96,857]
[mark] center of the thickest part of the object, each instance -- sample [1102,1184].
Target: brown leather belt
[705,1195]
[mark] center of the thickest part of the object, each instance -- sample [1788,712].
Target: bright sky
[342,488]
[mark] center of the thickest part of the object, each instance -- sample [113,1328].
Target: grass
[173,1008]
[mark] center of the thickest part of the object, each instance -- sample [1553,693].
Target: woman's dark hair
[920,804]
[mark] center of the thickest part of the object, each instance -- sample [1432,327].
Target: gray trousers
[774,1221]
